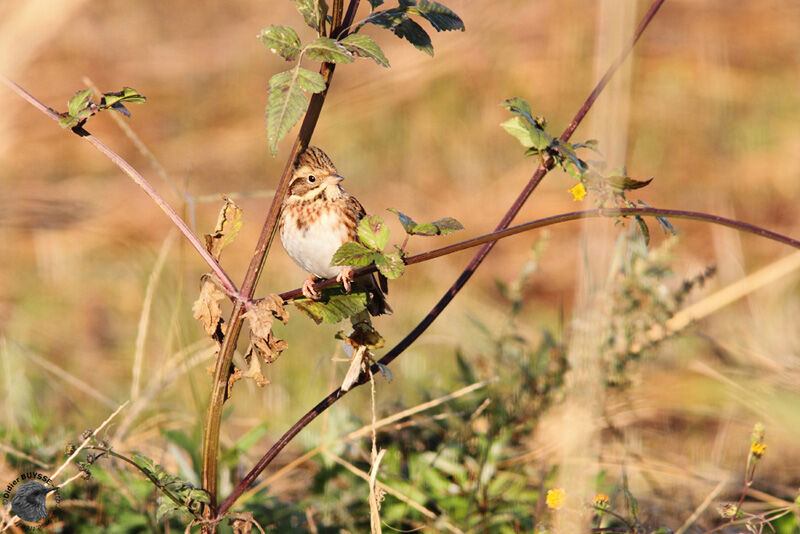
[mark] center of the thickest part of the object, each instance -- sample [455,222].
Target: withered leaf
[260,318]
[206,308]
[228,225]
[358,362]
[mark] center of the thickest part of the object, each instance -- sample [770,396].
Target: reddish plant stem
[564,217]
[459,283]
[151,191]
[222,369]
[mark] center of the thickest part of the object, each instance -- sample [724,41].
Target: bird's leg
[345,276]
[308,288]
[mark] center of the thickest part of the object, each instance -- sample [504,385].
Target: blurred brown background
[708,105]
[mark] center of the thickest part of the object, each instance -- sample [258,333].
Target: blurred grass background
[710,109]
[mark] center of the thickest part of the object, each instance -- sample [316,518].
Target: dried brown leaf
[358,363]
[228,225]
[260,318]
[206,308]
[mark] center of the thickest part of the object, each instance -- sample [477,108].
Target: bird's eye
[312,178]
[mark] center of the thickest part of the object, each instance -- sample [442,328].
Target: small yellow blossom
[758,449]
[555,498]
[601,500]
[578,192]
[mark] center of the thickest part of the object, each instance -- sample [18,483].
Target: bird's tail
[376,295]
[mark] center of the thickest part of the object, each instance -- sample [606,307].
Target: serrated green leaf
[591,144]
[353,254]
[199,495]
[397,20]
[527,134]
[313,11]
[407,222]
[364,46]
[441,17]
[520,107]
[328,50]
[79,101]
[282,40]
[390,265]
[311,81]
[414,34]
[373,232]
[285,106]
[625,183]
[333,306]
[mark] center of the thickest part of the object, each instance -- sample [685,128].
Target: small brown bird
[317,217]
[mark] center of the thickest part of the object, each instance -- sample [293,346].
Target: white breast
[312,247]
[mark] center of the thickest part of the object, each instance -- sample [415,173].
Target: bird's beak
[333,179]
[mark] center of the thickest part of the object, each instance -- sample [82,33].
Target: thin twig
[227,283]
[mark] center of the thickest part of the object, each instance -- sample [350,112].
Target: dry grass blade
[66,377]
[702,507]
[144,319]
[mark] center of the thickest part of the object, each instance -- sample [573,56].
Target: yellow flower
[578,192]
[555,498]
[601,500]
[758,449]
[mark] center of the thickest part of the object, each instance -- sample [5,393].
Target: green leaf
[364,46]
[446,226]
[390,265]
[396,20]
[375,3]
[80,101]
[328,50]
[643,228]
[313,11]
[527,134]
[522,108]
[441,17]
[282,40]
[333,306]
[625,183]
[373,232]
[311,81]
[414,34]
[128,95]
[353,254]
[407,222]
[285,106]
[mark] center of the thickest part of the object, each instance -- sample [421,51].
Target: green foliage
[444,226]
[333,306]
[397,19]
[373,232]
[364,46]
[281,40]
[313,11]
[325,49]
[287,103]
[610,187]
[80,107]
